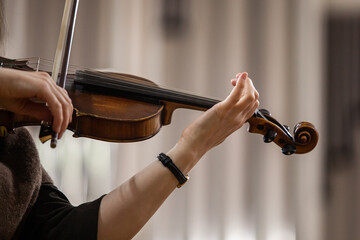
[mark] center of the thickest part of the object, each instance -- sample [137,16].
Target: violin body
[101,113]
[125,108]
[100,116]
[112,118]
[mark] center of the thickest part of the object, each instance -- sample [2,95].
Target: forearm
[125,210]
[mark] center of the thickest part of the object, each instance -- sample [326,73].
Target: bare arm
[126,209]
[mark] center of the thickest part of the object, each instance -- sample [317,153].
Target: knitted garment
[21,175]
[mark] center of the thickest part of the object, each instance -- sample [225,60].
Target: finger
[252,110]
[247,94]
[234,80]
[249,111]
[66,106]
[255,92]
[65,96]
[247,100]
[68,100]
[241,78]
[28,108]
[36,110]
[68,109]
[46,93]
[238,89]
[244,115]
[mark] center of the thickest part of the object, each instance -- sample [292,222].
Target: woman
[40,211]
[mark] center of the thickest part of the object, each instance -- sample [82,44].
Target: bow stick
[62,56]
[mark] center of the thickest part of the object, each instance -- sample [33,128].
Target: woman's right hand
[26,92]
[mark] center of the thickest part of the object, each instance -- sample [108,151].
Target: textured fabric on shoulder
[20,180]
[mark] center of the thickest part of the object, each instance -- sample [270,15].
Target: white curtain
[243,189]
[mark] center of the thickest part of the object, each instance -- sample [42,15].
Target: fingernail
[245,75]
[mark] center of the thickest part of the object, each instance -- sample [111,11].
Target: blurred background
[304,59]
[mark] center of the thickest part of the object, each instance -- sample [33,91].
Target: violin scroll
[305,135]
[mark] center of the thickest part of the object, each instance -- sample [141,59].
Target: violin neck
[133,85]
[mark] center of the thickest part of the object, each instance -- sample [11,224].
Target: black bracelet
[167,162]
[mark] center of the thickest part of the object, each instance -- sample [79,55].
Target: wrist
[184,155]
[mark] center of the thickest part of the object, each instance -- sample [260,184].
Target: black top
[53,217]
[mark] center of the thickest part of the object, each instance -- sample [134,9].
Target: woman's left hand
[224,118]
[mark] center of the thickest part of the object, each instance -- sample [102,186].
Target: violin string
[130,80]
[43,64]
[40,64]
[124,84]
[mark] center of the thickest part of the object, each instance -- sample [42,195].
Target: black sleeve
[53,217]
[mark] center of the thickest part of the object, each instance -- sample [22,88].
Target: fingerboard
[134,85]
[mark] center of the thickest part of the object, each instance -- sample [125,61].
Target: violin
[118,107]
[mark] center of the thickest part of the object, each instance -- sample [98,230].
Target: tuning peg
[270,136]
[288,149]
